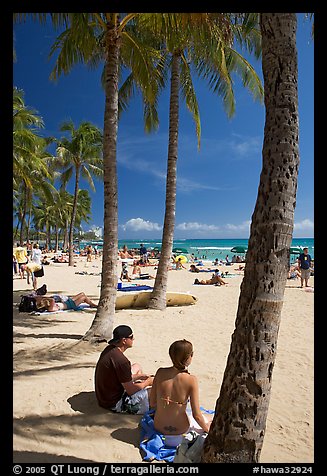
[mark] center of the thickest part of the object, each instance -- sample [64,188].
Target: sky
[216,186]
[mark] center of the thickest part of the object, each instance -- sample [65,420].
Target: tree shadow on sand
[36,457]
[86,402]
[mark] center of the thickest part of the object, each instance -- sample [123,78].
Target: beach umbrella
[182,257]
[239,249]
[294,250]
[180,250]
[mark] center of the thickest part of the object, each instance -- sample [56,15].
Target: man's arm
[132,387]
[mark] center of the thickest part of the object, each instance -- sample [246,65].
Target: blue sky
[216,186]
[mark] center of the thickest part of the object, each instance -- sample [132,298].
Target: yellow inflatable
[182,257]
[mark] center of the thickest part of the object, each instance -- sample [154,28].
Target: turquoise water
[211,249]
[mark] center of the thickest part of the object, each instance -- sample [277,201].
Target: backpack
[189,451]
[42,290]
[27,304]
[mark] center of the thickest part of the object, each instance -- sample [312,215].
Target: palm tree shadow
[86,403]
[36,457]
[131,436]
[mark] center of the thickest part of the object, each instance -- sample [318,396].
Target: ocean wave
[210,248]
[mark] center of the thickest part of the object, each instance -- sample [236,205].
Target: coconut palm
[237,432]
[111,38]
[80,154]
[29,166]
[204,40]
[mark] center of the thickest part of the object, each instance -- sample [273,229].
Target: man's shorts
[71,305]
[39,273]
[305,273]
[136,404]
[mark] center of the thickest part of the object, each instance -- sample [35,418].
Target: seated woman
[293,273]
[179,264]
[59,302]
[172,388]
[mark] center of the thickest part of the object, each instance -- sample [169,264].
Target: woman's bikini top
[168,400]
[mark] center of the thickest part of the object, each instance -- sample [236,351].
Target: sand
[56,416]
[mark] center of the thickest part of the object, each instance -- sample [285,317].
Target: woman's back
[172,391]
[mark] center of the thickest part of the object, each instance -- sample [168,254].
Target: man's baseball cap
[120,332]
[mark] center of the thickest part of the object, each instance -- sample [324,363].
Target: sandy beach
[56,416]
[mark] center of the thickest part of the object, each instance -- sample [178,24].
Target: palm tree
[112,38]
[28,152]
[206,40]
[237,432]
[79,155]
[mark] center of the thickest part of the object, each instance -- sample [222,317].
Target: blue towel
[153,442]
[135,288]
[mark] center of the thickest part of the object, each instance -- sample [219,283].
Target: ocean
[206,249]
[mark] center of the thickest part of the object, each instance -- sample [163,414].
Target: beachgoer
[304,262]
[119,385]
[194,269]
[143,254]
[173,387]
[124,253]
[36,254]
[228,263]
[293,272]
[21,256]
[34,270]
[215,279]
[124,271]
[136,273]
[179,264]
[89,250]
[57,302]
[15,264]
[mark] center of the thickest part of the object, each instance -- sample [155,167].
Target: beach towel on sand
[153,443]
[135,288]
[82,307]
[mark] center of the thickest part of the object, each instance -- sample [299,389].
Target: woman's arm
[153,393]
[196,412]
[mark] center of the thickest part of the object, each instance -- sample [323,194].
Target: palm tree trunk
[102,325]
[66,236]
[238,428]
[158,298]
[72,221]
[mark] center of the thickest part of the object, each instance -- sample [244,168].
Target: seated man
[120,386]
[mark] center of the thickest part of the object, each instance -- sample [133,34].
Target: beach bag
[189,451]
[27,304]
[42,290]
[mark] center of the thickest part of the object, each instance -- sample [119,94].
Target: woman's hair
[180,351]
[43,304]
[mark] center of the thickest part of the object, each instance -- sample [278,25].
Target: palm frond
[188,92]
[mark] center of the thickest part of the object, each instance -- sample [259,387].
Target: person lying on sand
[59,302]
[215,279]
[119,385]
[173,387]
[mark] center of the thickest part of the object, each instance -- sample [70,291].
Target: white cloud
[301,228]
[246,146]
[245,225]
[194,226]
[138,224]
